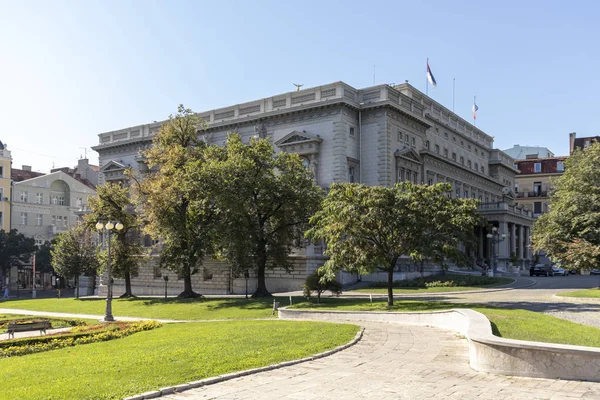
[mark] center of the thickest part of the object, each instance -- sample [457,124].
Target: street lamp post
[495,238]
[108,228]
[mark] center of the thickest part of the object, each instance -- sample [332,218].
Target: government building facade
[379,135]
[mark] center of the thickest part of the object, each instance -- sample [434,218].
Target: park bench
[29,326]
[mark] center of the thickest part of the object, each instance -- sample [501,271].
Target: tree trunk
[390,285]
[128,293]
[76,286]
[261,290]
[188,292]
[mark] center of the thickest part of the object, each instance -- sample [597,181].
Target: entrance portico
[514,224]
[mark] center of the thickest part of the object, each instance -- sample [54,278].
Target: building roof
[519,152]
[19,175]
[559,158]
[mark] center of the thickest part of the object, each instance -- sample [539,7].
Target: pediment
[112,166]
[296,137]
[410,154]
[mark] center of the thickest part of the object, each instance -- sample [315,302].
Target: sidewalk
[18,335]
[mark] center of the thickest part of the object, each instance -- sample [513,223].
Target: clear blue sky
[72,69]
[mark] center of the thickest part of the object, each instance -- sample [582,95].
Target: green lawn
[167,356]
[173,308]
[508,323]
[406,287]
[589,293]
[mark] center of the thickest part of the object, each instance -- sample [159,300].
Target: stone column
[526,251]
[521,243]
[480,247]
[503,245]
[513,239]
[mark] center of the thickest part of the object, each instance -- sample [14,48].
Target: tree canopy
[75,253]
[113,203]
[175,209]
[368,228]
[15,248]
[570,231]
[265,201]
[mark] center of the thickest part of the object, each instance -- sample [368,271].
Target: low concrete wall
[487,353]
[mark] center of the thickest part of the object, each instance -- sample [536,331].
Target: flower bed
[78,335]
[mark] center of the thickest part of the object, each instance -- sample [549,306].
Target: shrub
[441,281]
[314,283]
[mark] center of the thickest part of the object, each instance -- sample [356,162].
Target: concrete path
[18,335]
[392,362]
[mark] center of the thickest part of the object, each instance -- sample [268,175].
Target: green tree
[265,201]
[368,228]
[175,209]
[113,203]
[43,259]
[15,248]
[75,254]
[570,231]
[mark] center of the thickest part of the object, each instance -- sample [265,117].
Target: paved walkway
[392,361]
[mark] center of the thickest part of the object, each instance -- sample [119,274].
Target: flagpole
[427,79]
[453,86]
[474,104]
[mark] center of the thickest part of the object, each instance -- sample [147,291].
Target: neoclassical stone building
[379,135]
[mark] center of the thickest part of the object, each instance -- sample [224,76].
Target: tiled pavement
[392,362]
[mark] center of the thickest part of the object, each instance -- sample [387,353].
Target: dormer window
[537,167]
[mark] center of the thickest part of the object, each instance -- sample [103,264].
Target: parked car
[595,271]
[559,271]
[541,269]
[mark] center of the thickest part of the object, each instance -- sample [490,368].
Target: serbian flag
[475,108]
[430,75]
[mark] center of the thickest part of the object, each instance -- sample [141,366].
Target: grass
[438,284]
[167,356]
[173,308]
[508,323]
[588,293]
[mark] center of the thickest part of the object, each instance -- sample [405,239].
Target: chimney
[27,168]
[571,142]
[82,167]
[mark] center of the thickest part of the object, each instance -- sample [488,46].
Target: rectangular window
[53,220]
[430,182]
[437,148]
[537,167]
[462,160]
[157,272]
[454,156]
[408,173]
[351,174]
[1,171]
[1,195]
[469,147]
[482,170]
[39,220]
[516,188]
[406,139]
[476,167]
[39,198]
[414,142]
[560,166]
[537,207]
[516,166]
[65,220]
[427,144]
[24,197]
[487,199]
[352,131]
[537,188]
[54,200]
[445,135]
[445,152]
[462,143]
[469,163]
[61,201]
[458,193]
[415,178]
[23,218]
[400,174]
[466,194]
[59,220]
[454,139]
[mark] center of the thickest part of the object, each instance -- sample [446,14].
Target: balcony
[502,206]
[521,195]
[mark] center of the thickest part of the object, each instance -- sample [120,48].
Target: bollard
[276,305]
[290,300]
[371,298]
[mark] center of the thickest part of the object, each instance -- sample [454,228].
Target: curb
[221,378]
